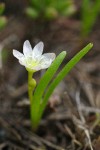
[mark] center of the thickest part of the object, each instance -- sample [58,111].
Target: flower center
[31,63]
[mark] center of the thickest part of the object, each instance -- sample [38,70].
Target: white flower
[33,59]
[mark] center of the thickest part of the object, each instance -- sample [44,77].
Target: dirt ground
[69,121]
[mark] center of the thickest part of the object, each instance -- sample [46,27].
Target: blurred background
[62,25]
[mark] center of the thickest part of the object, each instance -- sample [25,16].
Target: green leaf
[2,8]
[51,13]
[90,12]
[48,76]
[40,89]
[3,22]
[63,73]
[31,12]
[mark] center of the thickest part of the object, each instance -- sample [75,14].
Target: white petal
[38,50]
[27,49]
[46,60]
[36,68]
[22,61]
[49,56]
[45,65]
[17,54]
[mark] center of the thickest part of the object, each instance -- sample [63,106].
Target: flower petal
[37,68]
[34,60]
[49,56]
[22,62]
[46,60]
[37,51]
[27,49]
[45,65]
[17,54]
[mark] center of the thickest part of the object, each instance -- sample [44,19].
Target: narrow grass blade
[48,76]
[40,89]
[38,94]
[63,73]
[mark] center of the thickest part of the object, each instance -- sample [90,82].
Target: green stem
[35,121]
[96,122]
[31,87]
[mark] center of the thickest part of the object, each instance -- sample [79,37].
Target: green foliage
[40,89]
[46,85]
[90,11]
[2,8]
[32,12]
[50,9]
[3,20]
[5,55]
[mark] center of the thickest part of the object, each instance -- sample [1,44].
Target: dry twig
[82,121]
